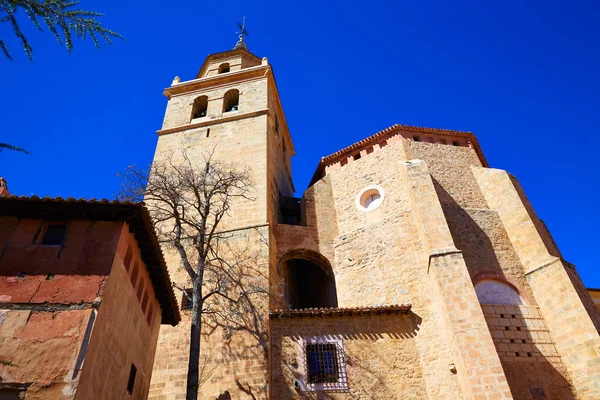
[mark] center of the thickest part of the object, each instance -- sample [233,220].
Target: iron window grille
[186,302]
[322,362]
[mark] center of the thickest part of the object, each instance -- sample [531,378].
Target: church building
[408,269]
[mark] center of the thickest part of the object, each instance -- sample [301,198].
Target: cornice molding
[213,121]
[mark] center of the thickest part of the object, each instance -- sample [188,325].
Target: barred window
[322,361]
[186,302]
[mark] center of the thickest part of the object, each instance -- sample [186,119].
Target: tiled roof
[386,133]
[341,312]
[135,214]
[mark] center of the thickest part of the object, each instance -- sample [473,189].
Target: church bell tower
[232,110]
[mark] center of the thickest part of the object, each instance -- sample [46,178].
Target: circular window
[369,198]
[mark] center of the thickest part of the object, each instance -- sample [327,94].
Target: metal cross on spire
[243,32]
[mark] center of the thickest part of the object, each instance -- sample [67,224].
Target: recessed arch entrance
[308,280]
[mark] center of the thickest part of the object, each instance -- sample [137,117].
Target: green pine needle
[61,18]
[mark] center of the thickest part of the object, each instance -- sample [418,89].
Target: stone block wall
[382,360]
[234,353]
[527,351]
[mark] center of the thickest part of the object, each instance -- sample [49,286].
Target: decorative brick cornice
[341,312]
[386,134]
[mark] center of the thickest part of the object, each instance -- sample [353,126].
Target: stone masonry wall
[527,351]
[232,351]
[378,258]
[382,358]
[565,315]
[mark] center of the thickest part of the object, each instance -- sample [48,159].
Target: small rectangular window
[140,289]
[127,260]
[150,314]
[455,143]
[356,156]
[134,274]
[55,234]
[187,304]
[145,301]
[131,381]
[416,138]
[322,361]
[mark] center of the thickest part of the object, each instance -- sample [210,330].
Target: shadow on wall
[526,376]
[372,344]
[239,322]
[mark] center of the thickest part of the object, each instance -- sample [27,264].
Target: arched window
[223,68]
[491,291]
[309,282]
[200,107]
[231,100]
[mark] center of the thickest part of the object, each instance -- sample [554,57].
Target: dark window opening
[127,260]
[131,381]
[134,274]
[145,301]
[149,317]
[455,143]
[290,210]
[356,156]
[140,290]
[208,132]
[187,303]
[55,234]
[231,100]
[308,285]
[416,138]
[276,124]
[223,68]
[200,107]
[12,394]
[322,363]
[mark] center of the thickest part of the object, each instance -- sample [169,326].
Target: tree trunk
[194,360]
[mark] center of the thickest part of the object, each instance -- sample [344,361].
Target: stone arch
[223,68]
[309,281]
[200,107]
[496,291]
[231,100]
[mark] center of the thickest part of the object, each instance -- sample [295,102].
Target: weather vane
[243,32]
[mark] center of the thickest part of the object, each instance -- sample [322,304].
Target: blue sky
[522,77]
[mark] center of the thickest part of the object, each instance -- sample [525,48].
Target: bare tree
[188,202]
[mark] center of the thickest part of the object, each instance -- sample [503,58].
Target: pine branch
[62,19]
[6,146]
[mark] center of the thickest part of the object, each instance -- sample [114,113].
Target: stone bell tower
[231,109]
